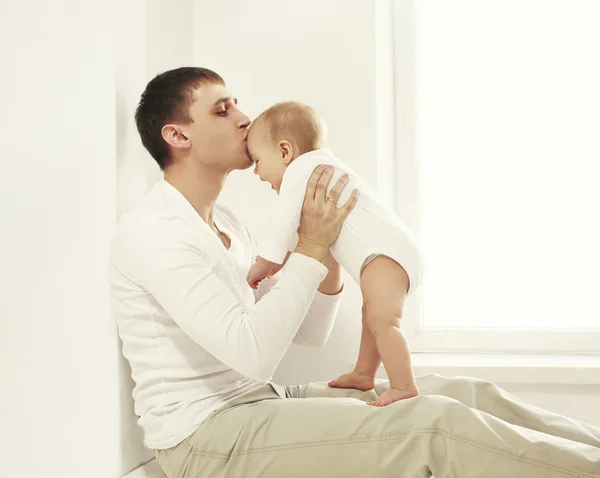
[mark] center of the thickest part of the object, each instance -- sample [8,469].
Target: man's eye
[222,113]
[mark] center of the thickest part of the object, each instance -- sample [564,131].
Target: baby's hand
[260,270]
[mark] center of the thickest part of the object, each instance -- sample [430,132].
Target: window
[498,140]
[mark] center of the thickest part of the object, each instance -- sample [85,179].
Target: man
[203,347]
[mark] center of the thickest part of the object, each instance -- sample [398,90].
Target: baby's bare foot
[353,380]
[395,394]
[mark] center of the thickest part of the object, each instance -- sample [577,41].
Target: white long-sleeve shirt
[370,229]
[192,329]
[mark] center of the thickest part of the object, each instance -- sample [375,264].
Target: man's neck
[201,186]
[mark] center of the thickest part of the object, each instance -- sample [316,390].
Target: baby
[286,143]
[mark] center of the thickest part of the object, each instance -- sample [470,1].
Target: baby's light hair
[295,122]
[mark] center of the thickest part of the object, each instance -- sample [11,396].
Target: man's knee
[436,410]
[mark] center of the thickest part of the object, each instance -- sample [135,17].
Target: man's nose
[243,121]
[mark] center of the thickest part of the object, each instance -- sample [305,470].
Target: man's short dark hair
[167,99]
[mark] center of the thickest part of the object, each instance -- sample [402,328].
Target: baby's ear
[287,151]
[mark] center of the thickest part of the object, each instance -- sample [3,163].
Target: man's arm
[320,317]
[333,282]
[163,257]
[169,264]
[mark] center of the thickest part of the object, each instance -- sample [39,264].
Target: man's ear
[287,152]
[175,136]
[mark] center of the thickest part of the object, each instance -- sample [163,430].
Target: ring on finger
[330,199]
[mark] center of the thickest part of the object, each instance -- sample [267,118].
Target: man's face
[267,157]
[219,129]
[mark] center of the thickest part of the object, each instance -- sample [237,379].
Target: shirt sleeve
[320,317]
[284,220]
[169,263]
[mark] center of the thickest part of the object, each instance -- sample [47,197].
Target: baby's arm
[277,241]
[263,269]
[285,218]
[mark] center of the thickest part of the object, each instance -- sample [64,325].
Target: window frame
[406,198]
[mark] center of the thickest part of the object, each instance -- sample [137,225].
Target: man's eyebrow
[227,99]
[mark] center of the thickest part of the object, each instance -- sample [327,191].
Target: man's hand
[321,218]
[262,269]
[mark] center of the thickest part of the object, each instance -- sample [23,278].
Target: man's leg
[344,437]
[491,399]
[479,395]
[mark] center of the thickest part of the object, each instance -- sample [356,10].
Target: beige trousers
[457,428]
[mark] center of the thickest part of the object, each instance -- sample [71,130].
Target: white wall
[153,36]
[72,75]
[334,55]
[59,410]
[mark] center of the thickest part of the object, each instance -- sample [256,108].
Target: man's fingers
[311,186]
[322,185]
[336,191]
[349,205]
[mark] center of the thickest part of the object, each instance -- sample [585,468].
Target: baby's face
[267,157]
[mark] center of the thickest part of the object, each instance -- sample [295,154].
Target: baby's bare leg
[384,284]
[363,375]
[368,356]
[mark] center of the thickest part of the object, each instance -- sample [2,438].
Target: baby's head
[281,134]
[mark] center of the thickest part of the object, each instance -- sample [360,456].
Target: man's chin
[245,163]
